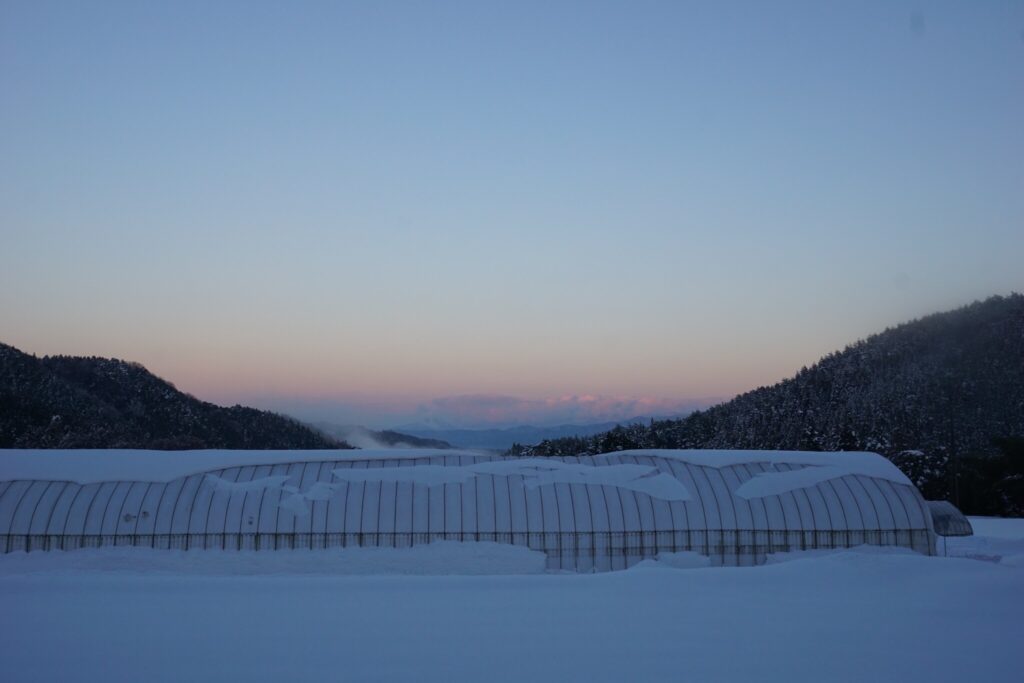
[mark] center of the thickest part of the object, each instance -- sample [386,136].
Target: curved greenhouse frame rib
[592,512]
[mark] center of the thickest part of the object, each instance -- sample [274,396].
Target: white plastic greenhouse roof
[88,466]
[424,492]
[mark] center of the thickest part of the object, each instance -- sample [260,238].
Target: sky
[487,213]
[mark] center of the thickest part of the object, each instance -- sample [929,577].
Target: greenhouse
[587,513]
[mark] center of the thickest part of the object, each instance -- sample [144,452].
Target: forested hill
[70,402]
[947,384]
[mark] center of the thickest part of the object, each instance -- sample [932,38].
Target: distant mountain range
[947,385]
[507,437]
[72,402]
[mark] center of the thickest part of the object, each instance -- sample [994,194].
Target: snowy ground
[139,615]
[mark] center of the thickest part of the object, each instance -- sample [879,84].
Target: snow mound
[534,471]
[823,553]
[685,559]
[996,540]
[815,467]
[773,483]
[541,472]
[1016,561]
[998,527]
[90,466]
[440,558]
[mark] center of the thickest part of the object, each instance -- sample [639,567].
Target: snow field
[867,614]
[440,558]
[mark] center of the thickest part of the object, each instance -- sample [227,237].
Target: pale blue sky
[372,205]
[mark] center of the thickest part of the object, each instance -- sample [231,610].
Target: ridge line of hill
[94,402]
[938,395]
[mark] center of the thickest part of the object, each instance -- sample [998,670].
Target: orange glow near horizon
[268,376]
[308,369]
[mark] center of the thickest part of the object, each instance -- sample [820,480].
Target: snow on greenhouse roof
[636,502]
[91,466]
[535,472]
[88,466]
[817,467]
